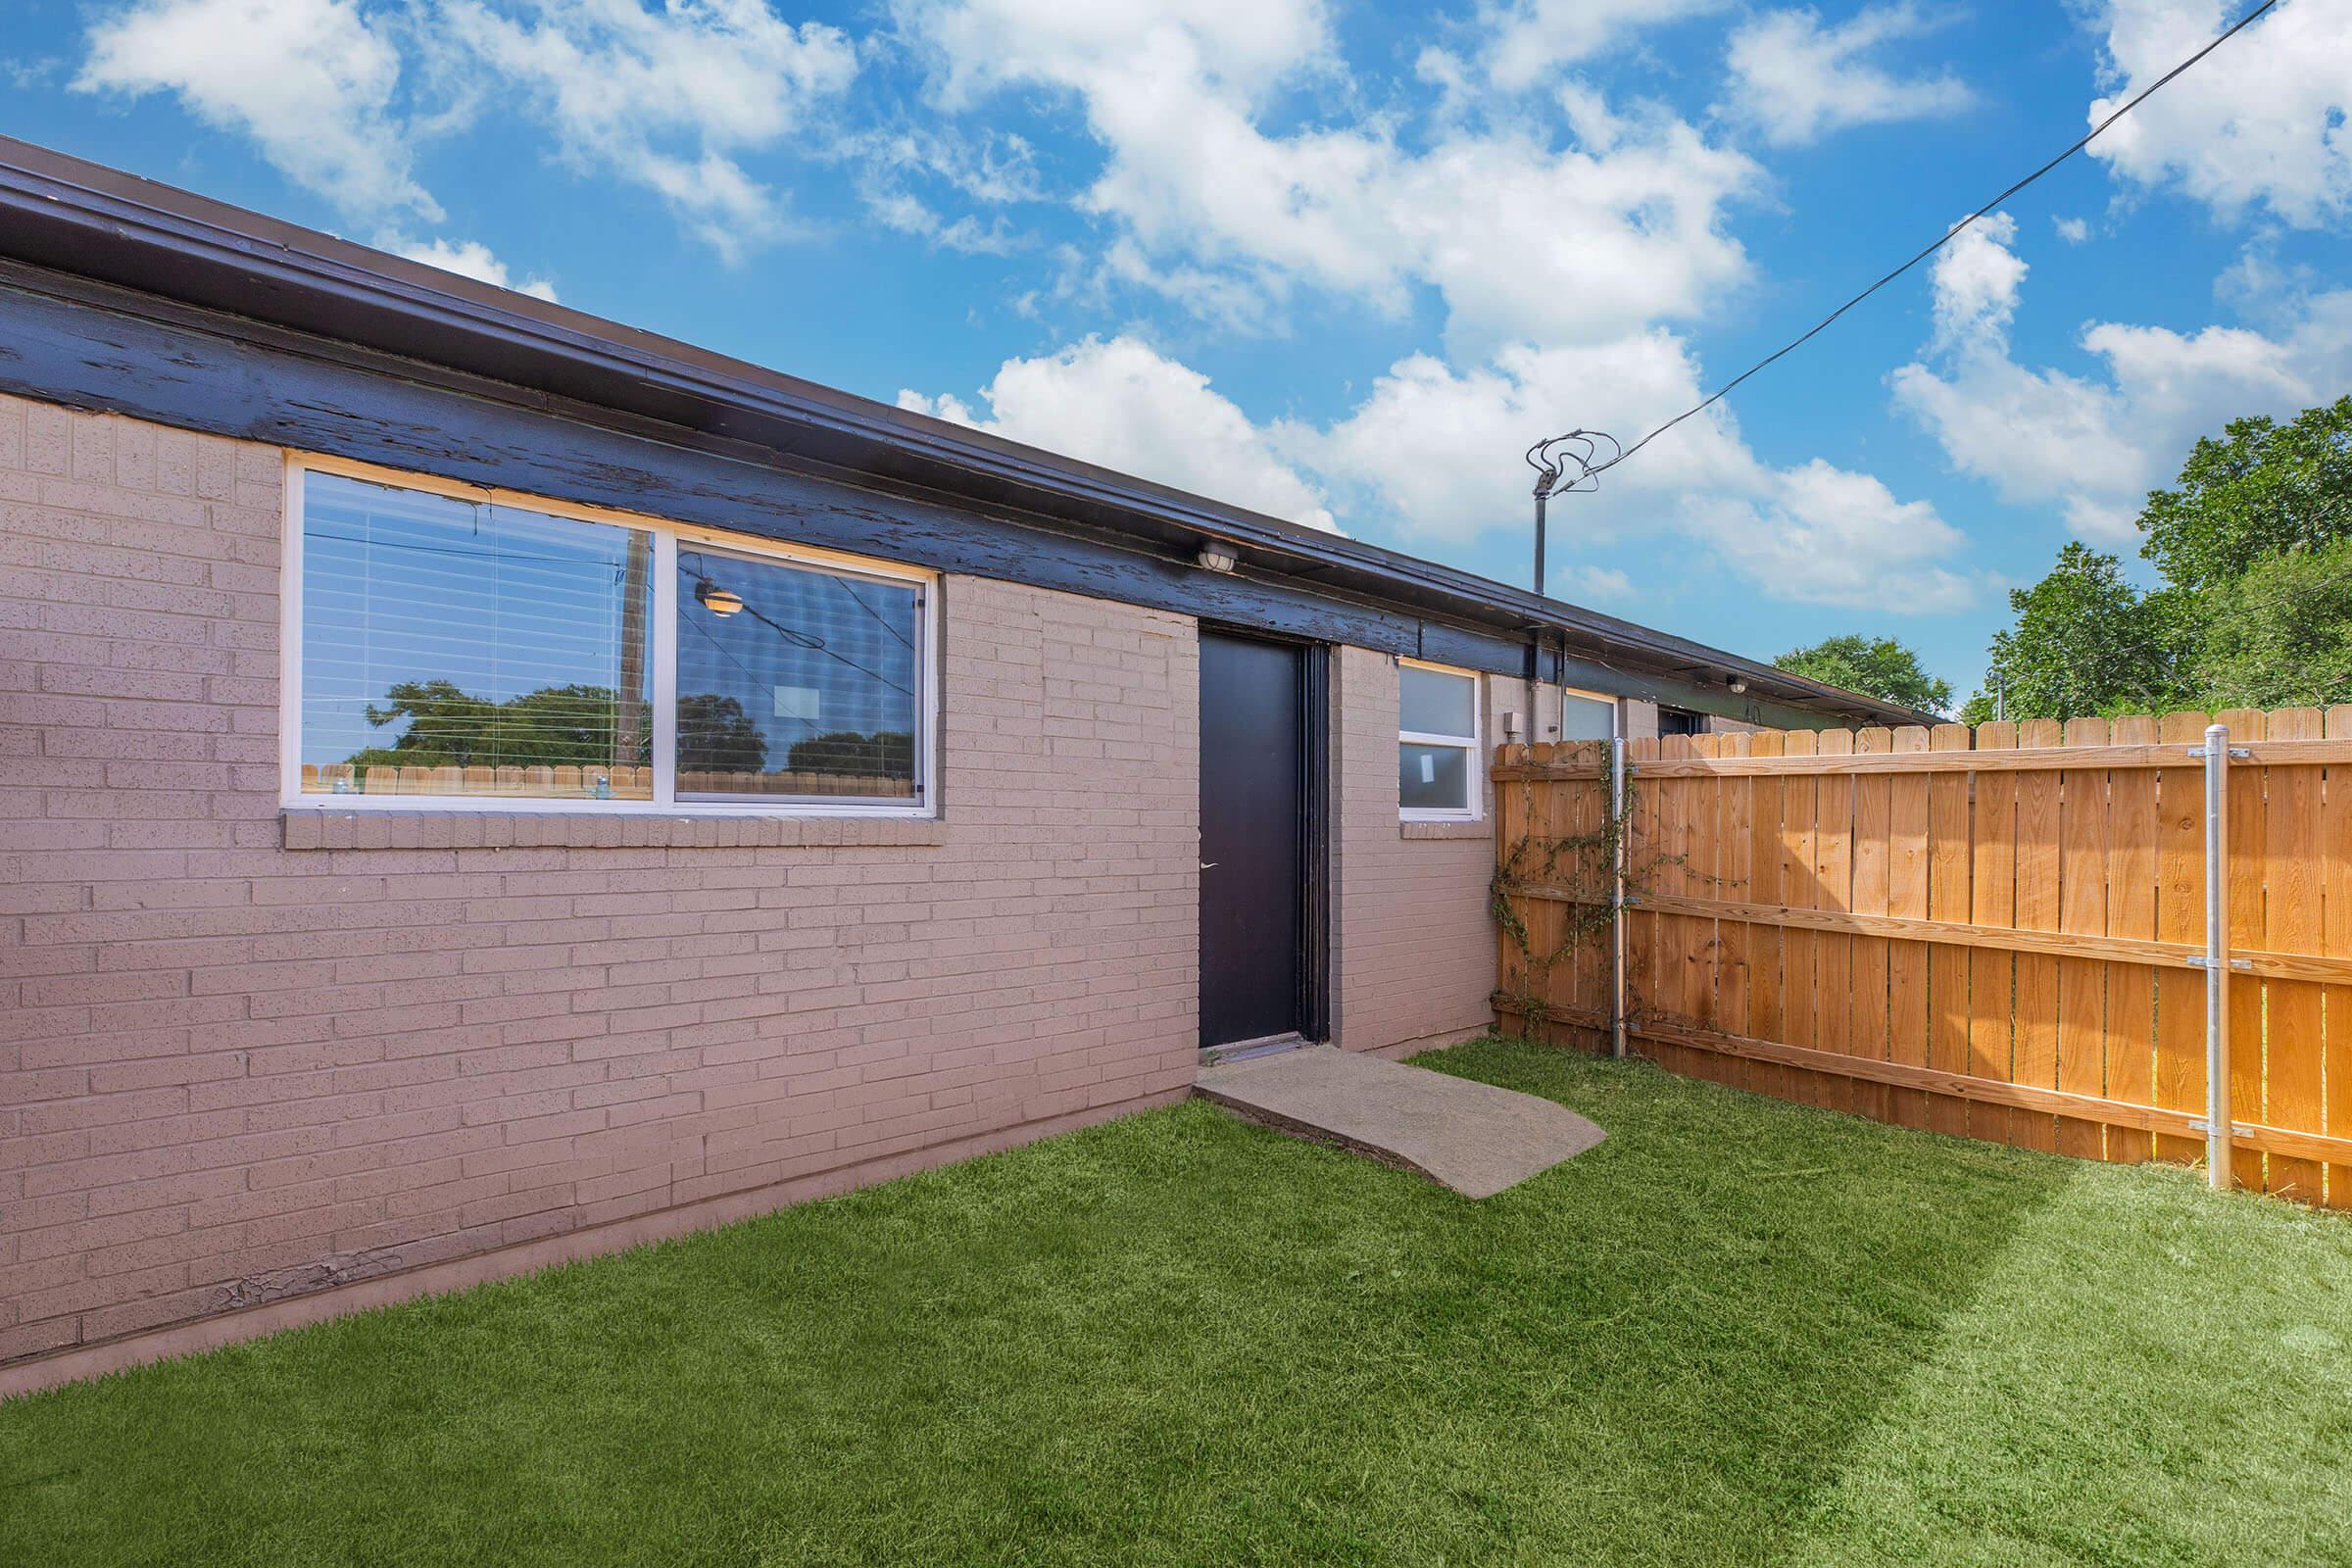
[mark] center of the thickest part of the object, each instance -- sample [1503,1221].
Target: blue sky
[1343,261]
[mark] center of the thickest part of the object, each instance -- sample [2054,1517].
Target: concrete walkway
[1472,1136]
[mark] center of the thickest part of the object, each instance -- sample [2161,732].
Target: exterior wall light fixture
[1217,555]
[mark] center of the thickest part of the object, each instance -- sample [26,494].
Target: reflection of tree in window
[889,753]
[715,735]
[555,727]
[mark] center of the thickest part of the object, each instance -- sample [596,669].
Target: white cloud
[1825,535]
[312,82]
[2095,445]
[473,259]
[1975,281]
[1242,47]
[2072,231]
[2266,118]
[1435,452]
[1528,40]
[1521,239]
[1431,454]
[1119,403]
[669,98]
[1798,80]
[1596,586]
[994,169]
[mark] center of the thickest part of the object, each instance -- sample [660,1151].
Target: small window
[1438,743]
[1586,718]
[458,649]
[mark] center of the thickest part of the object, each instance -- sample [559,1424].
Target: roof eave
[91,221]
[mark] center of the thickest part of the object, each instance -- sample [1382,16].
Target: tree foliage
[715,735]
[1876,667]
[886,754]
[2261,489]
[555,727]
[2085,641]
[2280,635]
[2253,608]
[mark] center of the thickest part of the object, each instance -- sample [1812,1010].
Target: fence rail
[1999,934]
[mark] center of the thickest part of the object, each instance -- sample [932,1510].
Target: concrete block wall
[244,1060]
[1413,945]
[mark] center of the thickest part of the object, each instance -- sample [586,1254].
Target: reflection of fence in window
[585,783]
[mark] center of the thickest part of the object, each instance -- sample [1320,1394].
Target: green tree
[886,753]
[2261,488]
[2085,642]
[715,735]
[2279,635]
[555,727]
[1876,667]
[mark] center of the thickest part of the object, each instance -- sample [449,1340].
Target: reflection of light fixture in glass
[716,600]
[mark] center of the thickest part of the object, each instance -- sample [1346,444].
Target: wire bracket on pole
[2237,754]
[2198,960]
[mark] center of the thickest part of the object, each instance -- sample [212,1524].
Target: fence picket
[1733,868]
[2132,837]
[1766,944]
[2180,918]
[2335,887]
[1833,954]
[1801,888]
[1907,895]
[2082,911]
[1992,902]
[2292,922]
[2249,818]
[1947,864]
[2038,825]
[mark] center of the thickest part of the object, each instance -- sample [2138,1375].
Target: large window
[455,648]
[1438,743]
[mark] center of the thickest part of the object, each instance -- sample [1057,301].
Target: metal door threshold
[1251,1050]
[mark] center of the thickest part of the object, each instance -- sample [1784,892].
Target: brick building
[479,785]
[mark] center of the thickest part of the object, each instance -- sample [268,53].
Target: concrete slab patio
[1472,1136]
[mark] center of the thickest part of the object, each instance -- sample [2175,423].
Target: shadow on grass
[1176,1338]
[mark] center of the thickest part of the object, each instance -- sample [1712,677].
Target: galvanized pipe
[1617,890]
[2217,1151]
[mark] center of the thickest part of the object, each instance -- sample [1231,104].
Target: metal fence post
[2219,1164]
[1617,887]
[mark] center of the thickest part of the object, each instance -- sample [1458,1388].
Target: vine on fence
[1579,864]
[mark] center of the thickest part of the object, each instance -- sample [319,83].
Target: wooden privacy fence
[1997,934]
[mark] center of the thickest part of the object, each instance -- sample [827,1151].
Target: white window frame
[662,651]
[1474,743]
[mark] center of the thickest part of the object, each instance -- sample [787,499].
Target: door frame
[1312,1005]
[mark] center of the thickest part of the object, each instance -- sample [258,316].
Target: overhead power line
[1950,235]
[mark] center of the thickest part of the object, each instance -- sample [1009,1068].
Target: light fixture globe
[716,600]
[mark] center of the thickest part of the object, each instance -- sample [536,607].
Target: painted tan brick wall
[1413,950]
[239,1060]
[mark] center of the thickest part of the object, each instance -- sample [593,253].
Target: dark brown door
[1254,838]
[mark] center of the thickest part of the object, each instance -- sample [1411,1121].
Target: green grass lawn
[1738,1332]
